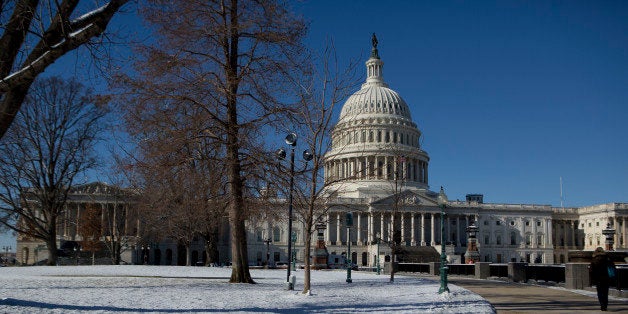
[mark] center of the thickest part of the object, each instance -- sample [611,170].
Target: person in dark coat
[599,276]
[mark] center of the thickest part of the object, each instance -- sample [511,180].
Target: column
[381,226]
[549,241]
[573,234]
[328,230]
[422,229]
[534,235]
[458,234]
[412,238]
[359,229]
[370,229]
[624,231]
[391,227]
[338,233]
[565,237]
[432,242]
[403,228]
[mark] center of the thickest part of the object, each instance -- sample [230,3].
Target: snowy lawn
[172,289]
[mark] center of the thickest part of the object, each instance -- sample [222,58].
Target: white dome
[374,99]
[375,141]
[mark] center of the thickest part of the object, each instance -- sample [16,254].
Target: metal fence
[414,267]
[461,269]
[499,270]
[547,273]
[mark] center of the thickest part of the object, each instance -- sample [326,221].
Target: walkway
[508,297]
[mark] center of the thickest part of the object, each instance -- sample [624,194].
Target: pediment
[408,198]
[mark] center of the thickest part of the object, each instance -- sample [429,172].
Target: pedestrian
[599,270]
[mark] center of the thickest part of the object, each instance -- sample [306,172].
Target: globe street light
[442,202]
[291,140]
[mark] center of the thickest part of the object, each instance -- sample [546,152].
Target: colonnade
[410,229]
[377,168]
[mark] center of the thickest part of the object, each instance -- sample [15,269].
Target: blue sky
[510,95]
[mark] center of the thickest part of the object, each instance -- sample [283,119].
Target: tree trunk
[51,243]
[188,255]
[308,245]
[240,265]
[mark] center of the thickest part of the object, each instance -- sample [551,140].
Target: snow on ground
[173,289]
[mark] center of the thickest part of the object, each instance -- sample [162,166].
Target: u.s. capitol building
[377,170]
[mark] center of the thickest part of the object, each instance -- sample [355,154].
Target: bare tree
[34,34]
[329,86]
[50,144]
[229,61]
[90,229]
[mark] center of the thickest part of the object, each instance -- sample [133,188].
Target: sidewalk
[508,297]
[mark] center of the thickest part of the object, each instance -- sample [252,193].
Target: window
[259,235]
[499,240]
[379,136]
[486,222]
[538,223]
[597,223]
[513,238]
[486,238]
[497,223]
[276,235]
[276,257]
[539,240]
[512,222]
[387,135]
[527,223]
[528,239]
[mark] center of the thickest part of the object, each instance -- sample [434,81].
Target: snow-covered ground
[165,289]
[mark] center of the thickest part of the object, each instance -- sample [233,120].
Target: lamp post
[267,241]
[378,239]
[442,202]
[349,225]
[294,253]
[291,140]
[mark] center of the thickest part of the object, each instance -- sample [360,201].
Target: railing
[461,269]
[414,267]
[499,270]
[622,278]
[547,273]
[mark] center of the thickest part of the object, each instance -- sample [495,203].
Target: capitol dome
[375,142]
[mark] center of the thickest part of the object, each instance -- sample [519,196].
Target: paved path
[509,297]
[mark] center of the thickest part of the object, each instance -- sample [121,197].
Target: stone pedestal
[577,275]
[435,268]
[517,272]
[482,270]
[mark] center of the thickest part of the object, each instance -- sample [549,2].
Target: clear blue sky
[509,95]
